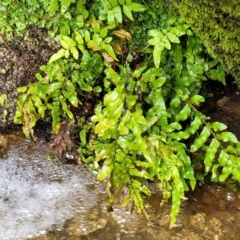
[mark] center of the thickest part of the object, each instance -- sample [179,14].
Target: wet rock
[19,62]
[4,146]
[95,219]
[223,105]
[217,197]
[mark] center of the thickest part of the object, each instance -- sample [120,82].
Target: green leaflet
[210,154]
[215,172]
[135,194]
[175,102]
[217,74]
[157,51]
[72,98]
[131,100]
[223,158]
[56,56]
[195,125]
[137,72]
[184,113]
[39,105]
[67,42]
[172,37]
[137,173]
[65,108]
[227,170]
[227,137]
[158,82]
[121,2]
[105,171]
[111,97]
[122,125]
[114,3]
[137,115]
[53,5]
[56,118]
[74,52]
[197,99]
[176,202]
[172,127]
[127,11]
[80,8]
[106,4]
[118,13]
[149,122]
[186,80]
[179,135]
[160,110]
[108,48]
[188,172]
[155,33]
[106,152]
[65,4]
[22,89]
[151,74]
[82,136]
[218,126]
[199,141]
[236,173]
[112,75]
[136,7]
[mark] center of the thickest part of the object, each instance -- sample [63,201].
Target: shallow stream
[41,199]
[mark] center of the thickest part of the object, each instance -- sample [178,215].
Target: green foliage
[4,103]
[149,143]
[3,99]
[145,125]
[217,23]
[57,92]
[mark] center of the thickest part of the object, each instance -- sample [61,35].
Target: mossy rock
[217,22]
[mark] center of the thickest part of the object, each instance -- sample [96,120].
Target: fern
[146,124]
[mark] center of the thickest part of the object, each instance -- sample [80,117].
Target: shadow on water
[43,200]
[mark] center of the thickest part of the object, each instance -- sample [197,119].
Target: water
[46,200]
[36,194]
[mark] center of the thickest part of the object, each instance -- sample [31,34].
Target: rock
[4,146]
[19,62]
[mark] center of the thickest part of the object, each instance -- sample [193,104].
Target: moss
[217,22]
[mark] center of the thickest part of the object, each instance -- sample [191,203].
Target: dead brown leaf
[61,142]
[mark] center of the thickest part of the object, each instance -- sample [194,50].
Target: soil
[223,104]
